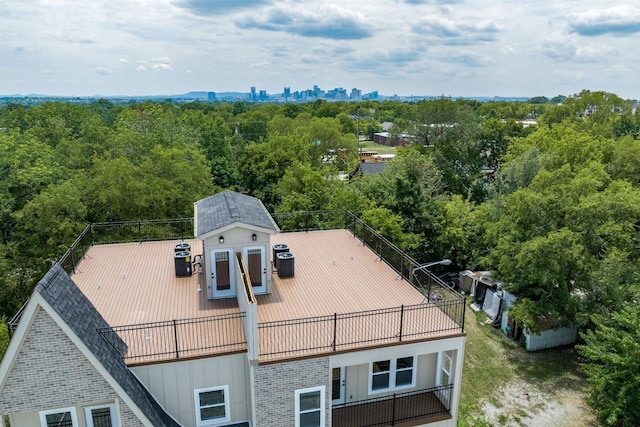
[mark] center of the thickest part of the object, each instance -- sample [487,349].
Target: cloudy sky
[404,47]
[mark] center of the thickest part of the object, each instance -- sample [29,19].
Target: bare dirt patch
[523,404]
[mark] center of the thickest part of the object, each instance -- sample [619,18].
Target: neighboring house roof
[386,126]
[371,168]
[367,168]
[226,208]
[62,294]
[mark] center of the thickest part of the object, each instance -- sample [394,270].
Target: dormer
[228,223]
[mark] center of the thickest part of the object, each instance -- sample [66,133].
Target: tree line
[553,209]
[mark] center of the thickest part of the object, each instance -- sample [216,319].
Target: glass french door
[337,385]
[254,259]
[222,273]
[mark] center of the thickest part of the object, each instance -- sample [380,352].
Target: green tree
[263,165]
[390,226]
[612,366]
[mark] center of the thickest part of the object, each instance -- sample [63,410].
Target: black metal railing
[391,410]
[431,286]
[142,231]
[337,332]
[177,339]
[309,220]
[69,261]
[124,232]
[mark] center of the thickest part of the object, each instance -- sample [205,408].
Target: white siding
[172,384]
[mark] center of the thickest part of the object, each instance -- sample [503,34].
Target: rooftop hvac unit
[182,247]
[277,249]
[285,264]
[183,263]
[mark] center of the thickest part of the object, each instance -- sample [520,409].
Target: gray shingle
[57,288]
[228,207]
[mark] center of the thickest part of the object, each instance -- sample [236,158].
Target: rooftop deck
[134,283]
[341,287]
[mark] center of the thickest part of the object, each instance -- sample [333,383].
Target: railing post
[401,319]
[139,231]
[335,329]
[464,312]
[175,338]
[393,411]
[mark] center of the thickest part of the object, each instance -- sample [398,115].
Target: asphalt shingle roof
[228,207]
[57,288]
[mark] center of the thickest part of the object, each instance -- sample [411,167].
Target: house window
[310,407]
[380,375]
[392,374]
[404,372]
[101,416]
[65,417]
[447,363]
[212,405]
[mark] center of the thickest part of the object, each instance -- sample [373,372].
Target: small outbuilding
[491,297]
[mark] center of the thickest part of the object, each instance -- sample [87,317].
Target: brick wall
[50,372]
[275,387]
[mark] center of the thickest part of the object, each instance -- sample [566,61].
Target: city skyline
[459,48]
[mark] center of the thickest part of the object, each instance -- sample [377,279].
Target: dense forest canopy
[553,210]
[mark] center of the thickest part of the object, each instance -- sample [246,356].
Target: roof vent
[285,264]
[278,248]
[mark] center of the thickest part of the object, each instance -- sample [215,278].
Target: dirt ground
[523,404]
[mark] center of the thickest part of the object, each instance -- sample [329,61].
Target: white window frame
[320,389]
[71,410]
[112,409]
[227,412]
[393,370]
[444,358]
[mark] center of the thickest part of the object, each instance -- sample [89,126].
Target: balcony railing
[338,332]
[177,339]
[424,405]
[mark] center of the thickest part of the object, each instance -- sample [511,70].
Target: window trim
[227,411]
[71,410]
[393,370]
[442,357]
[322,390]
[112,410]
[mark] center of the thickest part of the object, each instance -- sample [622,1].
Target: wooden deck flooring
[135,283]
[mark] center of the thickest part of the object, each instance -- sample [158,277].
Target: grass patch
[486,367]
[381,149]
[492,361]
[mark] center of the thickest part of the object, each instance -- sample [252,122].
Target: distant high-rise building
[356,94]
[263,95]
[253,93]
[211,96]
[287,93]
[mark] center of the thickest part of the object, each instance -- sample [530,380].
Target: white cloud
[619,20]
[161,66]
[140,68]
[162,60]
[103,70]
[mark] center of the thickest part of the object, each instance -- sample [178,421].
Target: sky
[404,47]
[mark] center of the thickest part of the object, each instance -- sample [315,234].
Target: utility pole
[358,133]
